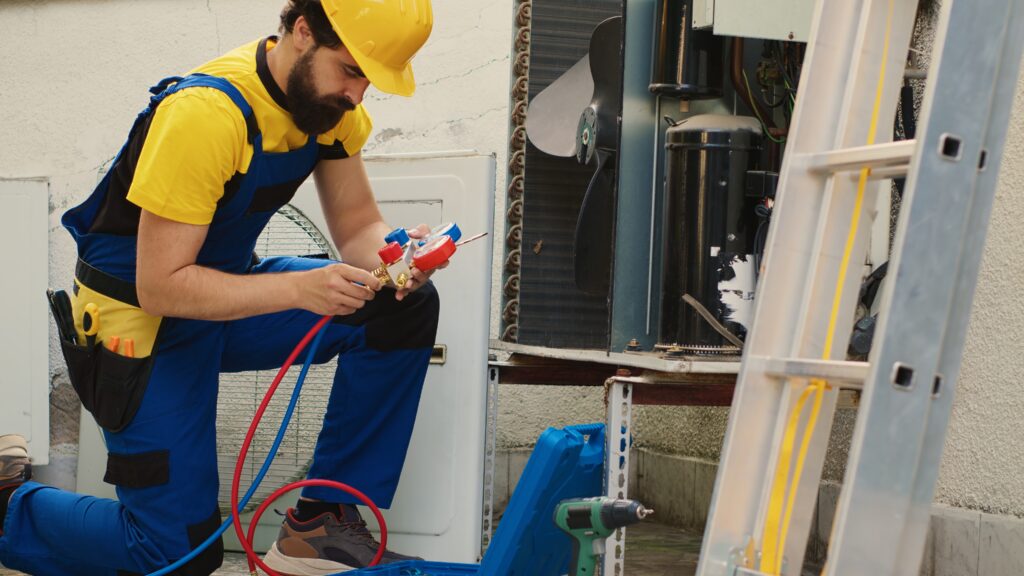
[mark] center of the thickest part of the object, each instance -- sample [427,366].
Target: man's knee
[206,562]
[209,560]
[411,323]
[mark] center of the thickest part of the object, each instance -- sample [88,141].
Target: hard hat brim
[398,81]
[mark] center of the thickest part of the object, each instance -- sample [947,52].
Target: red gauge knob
[391,253]
[434,253]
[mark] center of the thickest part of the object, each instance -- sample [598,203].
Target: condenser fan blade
[592,244]
[554,113]
[606,70]
[598,126]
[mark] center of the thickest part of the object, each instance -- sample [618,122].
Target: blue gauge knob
[398,235]
[450,230]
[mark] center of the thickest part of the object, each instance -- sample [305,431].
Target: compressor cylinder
[687,63]
[709,228]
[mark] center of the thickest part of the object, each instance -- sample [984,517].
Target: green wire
[758,113]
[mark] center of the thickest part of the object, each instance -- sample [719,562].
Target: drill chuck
[620,513]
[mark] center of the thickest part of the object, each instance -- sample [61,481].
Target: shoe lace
[358,528]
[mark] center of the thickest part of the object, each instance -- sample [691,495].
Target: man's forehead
[345,57]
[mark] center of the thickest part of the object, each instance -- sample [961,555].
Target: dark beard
[312,113]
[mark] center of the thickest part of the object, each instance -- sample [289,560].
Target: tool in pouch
[60,307]
[110,385]
[91,323]
[402,254]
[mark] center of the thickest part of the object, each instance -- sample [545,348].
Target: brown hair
[313,11]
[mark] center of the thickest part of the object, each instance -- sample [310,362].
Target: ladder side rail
[916,530]
[745,473]
[856,118]
[889,432]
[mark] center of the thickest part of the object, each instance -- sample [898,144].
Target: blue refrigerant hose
[266,463]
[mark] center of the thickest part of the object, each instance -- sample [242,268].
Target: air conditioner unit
[437,511]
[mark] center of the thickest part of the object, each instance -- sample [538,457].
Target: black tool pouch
[110,386]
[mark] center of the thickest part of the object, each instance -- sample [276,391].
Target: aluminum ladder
[839,159]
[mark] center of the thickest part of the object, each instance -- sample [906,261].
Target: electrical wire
[764,126]
[776,529]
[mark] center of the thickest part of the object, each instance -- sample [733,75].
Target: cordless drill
[589,522]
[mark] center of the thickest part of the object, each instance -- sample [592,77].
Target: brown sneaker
[15,465]
[325,545]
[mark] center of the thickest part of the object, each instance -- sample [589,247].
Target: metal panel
[441,519]
[24,343]
[772,19]
[490,454]
[619,438]
[703,13]
[633,304]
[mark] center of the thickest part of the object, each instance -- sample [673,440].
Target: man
[167,273]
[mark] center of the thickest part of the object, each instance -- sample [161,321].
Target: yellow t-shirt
[196,143]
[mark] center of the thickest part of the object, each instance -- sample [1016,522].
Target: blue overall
[164,460]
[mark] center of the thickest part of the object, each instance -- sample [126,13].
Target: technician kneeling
[168,295]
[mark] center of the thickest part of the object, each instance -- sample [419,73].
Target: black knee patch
[209,560]
[394,325]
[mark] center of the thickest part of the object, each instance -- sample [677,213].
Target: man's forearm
[360,249]
[202,293]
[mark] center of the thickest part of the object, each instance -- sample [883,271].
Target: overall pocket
[111,386]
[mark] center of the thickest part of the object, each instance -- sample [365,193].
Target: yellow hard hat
[383,36]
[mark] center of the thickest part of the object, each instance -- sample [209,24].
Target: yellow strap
[770,548]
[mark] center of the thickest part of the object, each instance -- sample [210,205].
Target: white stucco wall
[983,465]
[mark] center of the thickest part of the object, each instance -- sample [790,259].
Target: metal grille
[289,233]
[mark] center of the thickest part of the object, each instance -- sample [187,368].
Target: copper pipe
[736,73]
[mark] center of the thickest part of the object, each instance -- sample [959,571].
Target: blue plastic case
[419,568]
[567,463]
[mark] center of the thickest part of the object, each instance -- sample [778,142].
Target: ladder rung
[850,375]
[883,173]
[874,156]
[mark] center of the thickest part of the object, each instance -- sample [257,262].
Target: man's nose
[355,90]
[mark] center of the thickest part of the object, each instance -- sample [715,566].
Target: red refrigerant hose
[246,540]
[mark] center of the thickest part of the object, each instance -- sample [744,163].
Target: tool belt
[110,378]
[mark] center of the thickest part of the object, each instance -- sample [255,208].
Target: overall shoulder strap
[173,84]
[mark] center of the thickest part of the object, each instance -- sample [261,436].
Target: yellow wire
[775,535]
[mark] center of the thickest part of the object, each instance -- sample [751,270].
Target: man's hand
[419,278]
[337,290]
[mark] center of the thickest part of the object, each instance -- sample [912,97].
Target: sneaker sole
[291,566]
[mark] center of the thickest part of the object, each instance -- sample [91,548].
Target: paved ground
[653,550]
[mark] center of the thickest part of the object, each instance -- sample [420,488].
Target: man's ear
[302,35]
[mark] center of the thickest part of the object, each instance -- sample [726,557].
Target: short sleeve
[195,144]
[348,137]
